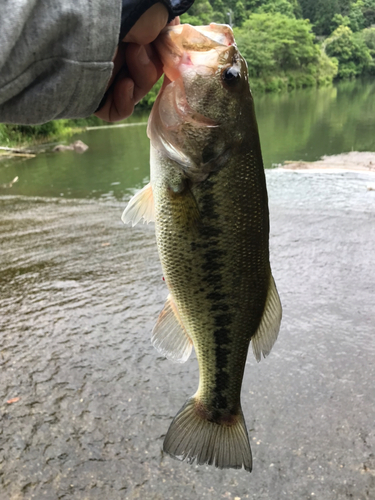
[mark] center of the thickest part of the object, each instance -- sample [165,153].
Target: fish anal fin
[268,329]
[195,438]
[141,205]
[169,335]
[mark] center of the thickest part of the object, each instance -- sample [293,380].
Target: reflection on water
[80,292]
[117,159]
[307,124]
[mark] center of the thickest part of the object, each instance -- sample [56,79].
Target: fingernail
[143,56]
[131,91]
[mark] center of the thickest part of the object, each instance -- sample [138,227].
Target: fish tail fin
[192,436]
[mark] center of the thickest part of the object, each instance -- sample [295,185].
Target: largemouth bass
[208,198]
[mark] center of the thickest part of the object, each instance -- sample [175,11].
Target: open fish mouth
[194,61]
[188,52]
[183,48]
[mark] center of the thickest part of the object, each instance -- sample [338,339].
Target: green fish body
[208,198]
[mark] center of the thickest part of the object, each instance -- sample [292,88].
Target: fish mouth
[183,47]
[187,53]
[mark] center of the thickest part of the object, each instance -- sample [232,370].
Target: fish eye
[231,75]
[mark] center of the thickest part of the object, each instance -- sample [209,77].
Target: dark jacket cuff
[132,10]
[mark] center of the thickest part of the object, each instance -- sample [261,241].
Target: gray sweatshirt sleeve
[55,57]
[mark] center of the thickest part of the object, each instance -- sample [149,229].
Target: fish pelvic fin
[194,437]
[141,205]
[268,329]
[169,335]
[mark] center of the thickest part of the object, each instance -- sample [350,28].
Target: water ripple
[79,294]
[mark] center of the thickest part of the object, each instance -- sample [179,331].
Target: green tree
[296,8]
[239,14]
[339,20]
[219,11]
[351,52]
[217,5]
[356,17]
[322,12]
[368,37]
[369,12]
[284,7]
[200,13]
[362,14]
[290,42]
[275,45]
[252,39]
[289,8]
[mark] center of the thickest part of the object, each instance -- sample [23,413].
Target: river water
[80,292]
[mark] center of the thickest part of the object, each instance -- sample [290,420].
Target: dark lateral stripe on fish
[219,307]
[214,253]
[222,352]
[221,378]
[212,267]
[207,201]
[219,402]
[210,231]
[222,336]
[223,319]
[215,280]
[216,296]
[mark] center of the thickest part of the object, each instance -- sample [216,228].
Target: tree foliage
[202,12]
[286,7]
[368,37]
[351,52]
[288,44]
[361,13]
[283,47]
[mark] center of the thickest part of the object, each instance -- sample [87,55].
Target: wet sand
[353,162]
[79,294]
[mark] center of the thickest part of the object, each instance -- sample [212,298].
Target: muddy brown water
[80,292]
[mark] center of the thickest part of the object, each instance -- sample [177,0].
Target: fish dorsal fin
[169,335]
[140,206]
[266,335]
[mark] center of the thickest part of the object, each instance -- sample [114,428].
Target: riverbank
[22,137]
[32,137]
[354,161]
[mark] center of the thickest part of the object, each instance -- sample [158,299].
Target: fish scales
[220,272]
[209,203]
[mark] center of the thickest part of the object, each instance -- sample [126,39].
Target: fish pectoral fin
[194,436]
[140,206]
[268,329]
[169,335]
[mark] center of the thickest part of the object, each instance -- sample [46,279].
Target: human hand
[137,66]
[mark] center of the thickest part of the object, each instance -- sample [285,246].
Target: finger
[145,68]
[120,101]
[149,25]
[119,61]
[174,21]
[123,98]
